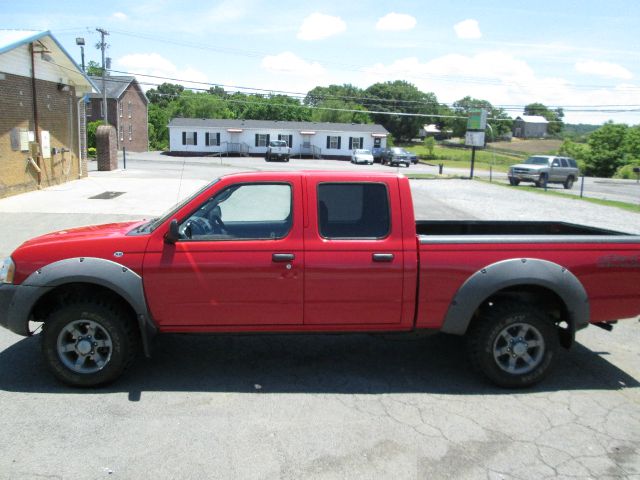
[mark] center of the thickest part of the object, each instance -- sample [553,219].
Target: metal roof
[12,39]
[532,119]
[114,85]
[277,125]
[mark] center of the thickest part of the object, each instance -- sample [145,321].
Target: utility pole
[103,46]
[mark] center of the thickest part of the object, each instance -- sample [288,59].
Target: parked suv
[395,156]
[544,169]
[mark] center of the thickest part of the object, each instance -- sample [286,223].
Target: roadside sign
[477,119]
[474,139]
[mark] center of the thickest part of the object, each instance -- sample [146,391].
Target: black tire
[568,183]
[513,344]
[104,327]
[542,181]
[266,158]
[514,182]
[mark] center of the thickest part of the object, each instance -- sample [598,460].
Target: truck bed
[502,228]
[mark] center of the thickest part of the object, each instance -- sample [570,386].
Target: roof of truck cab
[337,174]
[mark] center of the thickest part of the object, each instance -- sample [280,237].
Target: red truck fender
[113,276]
[524,272]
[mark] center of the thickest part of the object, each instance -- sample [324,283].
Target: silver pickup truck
[277,150]
[544,169]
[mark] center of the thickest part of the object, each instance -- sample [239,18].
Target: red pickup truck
[316,252]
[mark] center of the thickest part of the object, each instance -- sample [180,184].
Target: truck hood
[109,230]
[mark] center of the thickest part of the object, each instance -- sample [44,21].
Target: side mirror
[172,236]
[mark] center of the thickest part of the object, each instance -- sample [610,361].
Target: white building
[251,137]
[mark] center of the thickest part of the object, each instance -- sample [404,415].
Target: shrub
[626,172]
[91,151]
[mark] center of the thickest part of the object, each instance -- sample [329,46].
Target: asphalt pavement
[323,406]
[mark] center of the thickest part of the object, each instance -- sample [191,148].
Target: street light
[80,42]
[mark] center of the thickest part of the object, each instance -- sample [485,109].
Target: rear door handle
[283,257]
[383,257]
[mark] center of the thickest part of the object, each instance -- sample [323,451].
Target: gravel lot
[320,407]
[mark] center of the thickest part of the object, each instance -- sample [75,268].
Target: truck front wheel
[89,343]
[513,344]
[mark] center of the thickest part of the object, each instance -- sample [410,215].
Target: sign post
[476,124]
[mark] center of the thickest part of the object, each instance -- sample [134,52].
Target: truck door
[239,261]
[353,254]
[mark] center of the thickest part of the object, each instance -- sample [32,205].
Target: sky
[583,56]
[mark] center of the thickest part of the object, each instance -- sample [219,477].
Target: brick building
[126,111]
[42,136]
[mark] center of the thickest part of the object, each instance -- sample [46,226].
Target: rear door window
[353,210]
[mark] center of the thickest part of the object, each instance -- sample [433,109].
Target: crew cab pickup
[319,251]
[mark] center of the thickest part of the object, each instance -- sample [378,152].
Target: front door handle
[283,257]
[383,257]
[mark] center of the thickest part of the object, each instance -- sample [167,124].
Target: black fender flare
[511,273]
[97,271]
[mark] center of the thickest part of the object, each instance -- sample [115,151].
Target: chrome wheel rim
[84,346]
[519,348]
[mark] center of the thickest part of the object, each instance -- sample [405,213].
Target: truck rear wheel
[568,183]
[89,343]
[513,344]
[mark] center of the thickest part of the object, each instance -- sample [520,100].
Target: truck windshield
[278,143]
[537,161]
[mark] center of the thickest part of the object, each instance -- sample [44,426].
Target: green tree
[498,119]
[430,145]
[631,146]
[94,69]
[606,152]
[331,104]
[554,117]
[164,94]
[404,98]
[91,133]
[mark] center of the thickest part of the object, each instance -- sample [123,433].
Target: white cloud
[503,79]
[396,22]
[290,63]
[226,11]
[120,16]
[318,26]
[145,64]
[603,69]
[468,29]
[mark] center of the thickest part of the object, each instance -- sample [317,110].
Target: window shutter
[206,138]
[361,142]
[350,143]
[195,138]
[290,140]
[328,141]
[256,139]
[184,138]
[218,138]
[339,142]
[267,140]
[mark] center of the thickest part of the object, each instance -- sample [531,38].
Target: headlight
[7,270]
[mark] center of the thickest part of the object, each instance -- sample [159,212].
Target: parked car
[361,155]
[277,150]
[377,154]
[395,156]
[413,158]
[544,169]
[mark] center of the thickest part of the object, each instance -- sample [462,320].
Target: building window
[189,138]
[286,138]
[101,109]
[262,139]
[129,109]
[121,132]
[120,108]
[130,132]
[212,139]
[355,142]
[333,142]
[89,108]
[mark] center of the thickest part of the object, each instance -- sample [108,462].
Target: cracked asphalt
[318,406]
